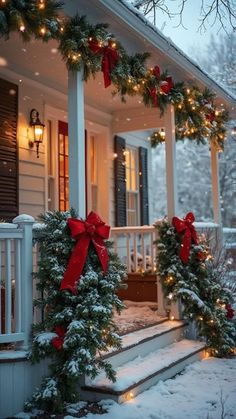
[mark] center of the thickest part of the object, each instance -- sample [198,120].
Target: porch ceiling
[43,63]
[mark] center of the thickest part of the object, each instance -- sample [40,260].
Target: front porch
[134,246]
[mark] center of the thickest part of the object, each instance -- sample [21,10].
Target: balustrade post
[25,222]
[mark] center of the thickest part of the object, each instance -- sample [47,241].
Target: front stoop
[148,356]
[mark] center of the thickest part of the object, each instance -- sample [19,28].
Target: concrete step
[144,341]
[143,372]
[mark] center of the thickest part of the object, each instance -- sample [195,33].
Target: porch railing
[134,245]
[16,294]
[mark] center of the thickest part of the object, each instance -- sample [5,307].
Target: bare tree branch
[211,12]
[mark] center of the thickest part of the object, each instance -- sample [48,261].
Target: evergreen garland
[75,328]
[196,283]
[83,46]
[157,137]
[37,18]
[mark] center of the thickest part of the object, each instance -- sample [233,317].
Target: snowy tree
[194,180]
[193,162]
[219,60]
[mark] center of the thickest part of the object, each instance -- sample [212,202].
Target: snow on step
[142,367]
[134,338]
[144,341]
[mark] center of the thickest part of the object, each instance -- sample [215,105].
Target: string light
[41,5]
[22,28]
[42,31]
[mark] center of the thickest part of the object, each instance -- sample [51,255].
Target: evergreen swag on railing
[94,49]
[187,272]
[78,301]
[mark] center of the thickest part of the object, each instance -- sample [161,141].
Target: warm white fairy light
[41,5]
[22,28]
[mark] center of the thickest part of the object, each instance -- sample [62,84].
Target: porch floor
[137,315]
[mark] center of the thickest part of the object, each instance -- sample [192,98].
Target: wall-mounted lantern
[38,129]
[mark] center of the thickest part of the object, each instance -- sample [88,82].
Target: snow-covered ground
[206,390]
[136,315]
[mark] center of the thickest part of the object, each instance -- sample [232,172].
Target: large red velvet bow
[58,341]
[187,228]
[110,58]
[94,230]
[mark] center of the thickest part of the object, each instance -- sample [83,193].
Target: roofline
[134,18]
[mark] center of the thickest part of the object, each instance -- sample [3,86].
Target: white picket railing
[134,246]
[16,293]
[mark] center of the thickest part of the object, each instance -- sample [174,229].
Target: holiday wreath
[78,276]
[186,270]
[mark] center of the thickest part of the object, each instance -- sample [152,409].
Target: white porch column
[172,195]
[215,185]
[171,177]
[77,196]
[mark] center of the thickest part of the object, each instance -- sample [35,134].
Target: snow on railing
[134,246]
[16,295]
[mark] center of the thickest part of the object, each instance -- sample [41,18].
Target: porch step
[148,356]
[146,340]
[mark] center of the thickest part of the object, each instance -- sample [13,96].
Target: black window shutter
[143,186]
[8,150]
[120,185]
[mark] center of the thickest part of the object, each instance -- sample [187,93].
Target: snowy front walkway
[206,390]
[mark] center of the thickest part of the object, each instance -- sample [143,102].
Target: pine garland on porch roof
[205,300]
[92,48]
[76,327]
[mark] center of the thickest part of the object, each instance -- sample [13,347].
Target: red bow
[58,341]
[167,85]
[153,94]
[186,226]
[92,229]
[230,312]
[109,59]
[211,116]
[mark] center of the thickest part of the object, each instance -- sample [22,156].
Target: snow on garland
[192,277]
[95,49]
[77,326]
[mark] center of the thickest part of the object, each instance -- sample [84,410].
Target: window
[63,166]
[132,186]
